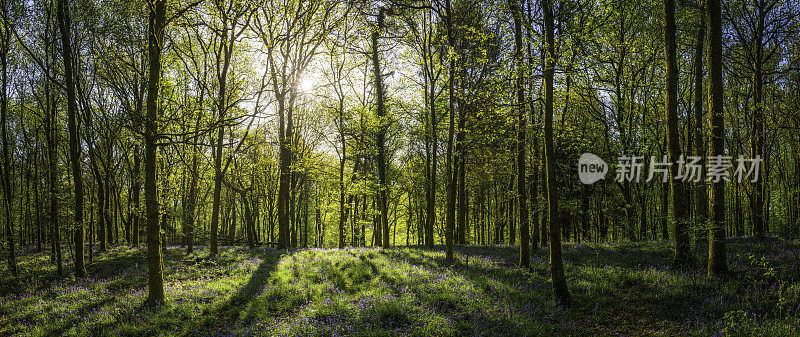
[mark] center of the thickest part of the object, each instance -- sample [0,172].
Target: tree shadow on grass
[83,311]
[227,315]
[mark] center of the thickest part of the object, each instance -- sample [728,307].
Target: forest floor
[617,289]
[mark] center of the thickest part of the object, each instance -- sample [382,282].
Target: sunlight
[307,85]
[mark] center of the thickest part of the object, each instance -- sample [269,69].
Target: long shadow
[456,307]
[227,314]
[84,310]
[673,307]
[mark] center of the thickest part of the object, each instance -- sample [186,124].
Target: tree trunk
[52,148]
[74,142]
[6,167]
[522,118]
[383,222]
[155,277]
[192,202]
[342,192]
[136,190]
[222,105]
[664,211]
[430,217]
[717,262]
[680,209]
[560,291]
[461,217]
[452,170]
[701,194]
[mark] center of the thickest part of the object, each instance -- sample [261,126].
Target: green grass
[618,289]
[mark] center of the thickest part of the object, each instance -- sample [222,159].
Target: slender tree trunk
[664,211]
[233,218]
[463,198]
[451,168]
[342,192]
[430,217]
[680,209]
[284,180]
[381,135]
[701,194]
[757,135]
[6,167]
[560,291]
[155,277]
[192,203]
[74,143]
[52,148]
[136,191]
[248,222]
[585,235]
[717,262]
[101,199]
[227,50]
[522,186]
[107,210]
[544,218]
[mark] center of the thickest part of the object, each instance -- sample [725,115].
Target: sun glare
[307,85]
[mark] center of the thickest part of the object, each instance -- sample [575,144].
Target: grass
[617,288]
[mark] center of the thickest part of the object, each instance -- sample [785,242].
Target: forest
[400,167]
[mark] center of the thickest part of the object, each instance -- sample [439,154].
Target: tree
[155,43]
[291,33]
[680,205]
[52,139]
[234,20]
[383,225]
[760,30]
[701,194]
[522,117]
[72,125]
[452,169]
[717,262]
[8,200]
[560,291]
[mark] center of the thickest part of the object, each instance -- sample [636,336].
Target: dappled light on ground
[618,288]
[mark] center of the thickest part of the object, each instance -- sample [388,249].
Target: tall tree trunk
[155,277]
[248,222]
[107,213]
[463,198]
[664,211]
[136,186]
[6,167]
[544,233]
[451,168]
[381,136]
[52,148]
[101,199]
[757,135]
[717,262]
[74,143]
[222,106]
[701,194]
[233,218]
[560,291]
[680,209]
[284,181]
[430,210]
[522,118]
[192,202]
[585,235]
[342,192]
